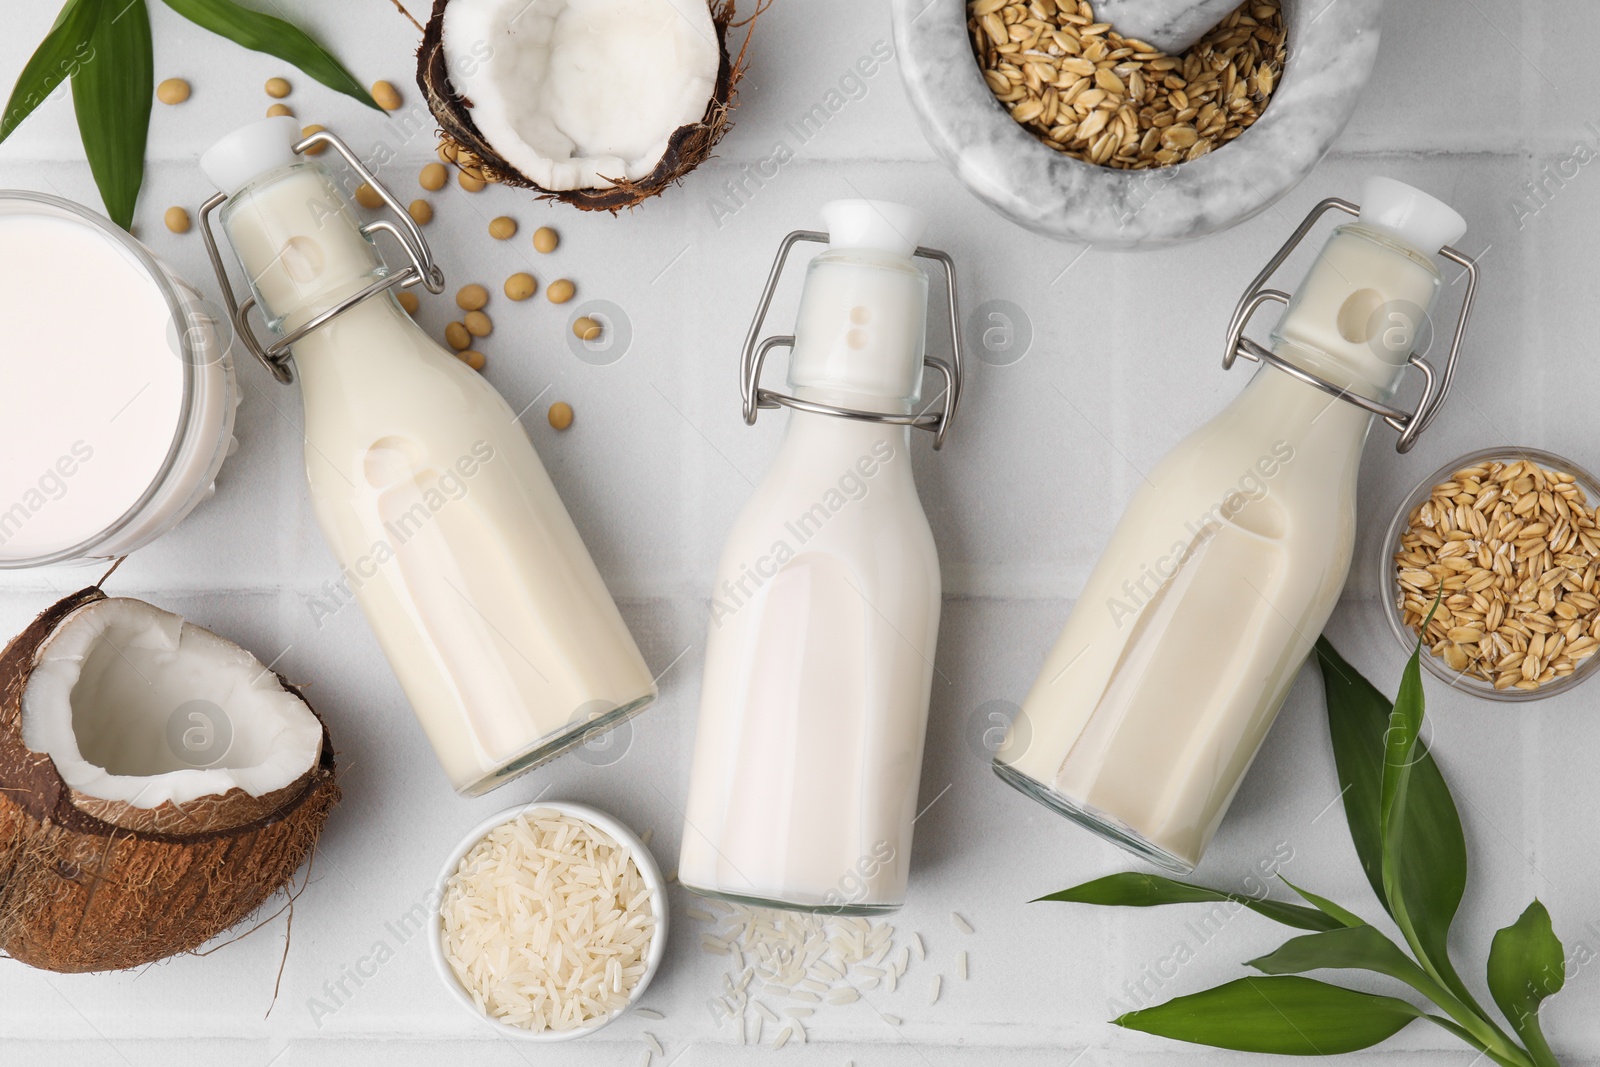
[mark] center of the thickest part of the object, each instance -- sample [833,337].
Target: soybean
[278,88]
[316,149]
[478,324]
[279,110]
[177,220]
[456,335]
[409,301]
[521,285]
[368,197]
[386,95]
[560,415]
[433,177]
[469,183]
[585,329]
[172,91]
[560,291]
[472,297]
[503,228]
[545,239]
[472,358]
[421,212]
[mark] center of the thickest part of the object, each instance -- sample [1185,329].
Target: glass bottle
[447,529]
[825,612]
[1230,558]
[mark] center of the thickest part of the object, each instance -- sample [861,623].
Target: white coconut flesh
[573,92]
[134,704]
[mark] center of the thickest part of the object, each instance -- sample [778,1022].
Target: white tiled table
[1471,98]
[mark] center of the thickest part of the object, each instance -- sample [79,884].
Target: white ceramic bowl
[647,868]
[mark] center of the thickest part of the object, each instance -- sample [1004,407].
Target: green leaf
[1358,715]
[1136,890]
[1326,906]
[112,94]
[274,36]
[1349,947]
[1285,1015]
[53,62]
[1526,965]
[1429,875]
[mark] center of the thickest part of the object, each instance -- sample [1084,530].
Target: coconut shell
[91,885]
[687,148]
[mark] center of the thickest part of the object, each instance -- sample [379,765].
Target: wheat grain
[1511,552]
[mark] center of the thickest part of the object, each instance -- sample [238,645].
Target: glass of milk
[119,396]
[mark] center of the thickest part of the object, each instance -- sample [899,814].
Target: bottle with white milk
[1229,560]
[443,520]
[825,611]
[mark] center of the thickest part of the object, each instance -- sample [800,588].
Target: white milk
[1223,569]
[444,522]
[110,430]
[825,614]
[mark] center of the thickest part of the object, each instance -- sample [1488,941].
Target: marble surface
[1170,25]
[1100,363]
[1332,45]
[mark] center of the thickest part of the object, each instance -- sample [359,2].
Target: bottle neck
[824,451]
[859,334]
[1355,318]
[300,244]
[1279,407]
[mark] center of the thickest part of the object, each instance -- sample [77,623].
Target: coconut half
[157,784]
[600,103]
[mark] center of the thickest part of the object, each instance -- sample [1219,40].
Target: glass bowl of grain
[550,920]
[1507,541]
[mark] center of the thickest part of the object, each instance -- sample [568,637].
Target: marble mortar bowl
[1332,45]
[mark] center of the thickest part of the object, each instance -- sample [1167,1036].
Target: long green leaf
[1334,911]
[1363,947]
[112,94]
[1424,890]
[53,62]
[1350,947]
[1135,890]
[1286,1015]
[1527,964]
[274,36]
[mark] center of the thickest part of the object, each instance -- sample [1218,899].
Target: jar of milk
[118,396]
[825,611]
[1229,560]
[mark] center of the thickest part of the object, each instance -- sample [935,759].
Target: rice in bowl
[547,922]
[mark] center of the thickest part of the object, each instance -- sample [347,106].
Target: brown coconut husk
[688,147]
[88,885]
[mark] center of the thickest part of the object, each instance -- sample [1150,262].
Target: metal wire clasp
[1409,424]
[755,356]
[420,271]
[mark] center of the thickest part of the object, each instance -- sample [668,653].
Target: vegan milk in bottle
[825,610]
[1229,559]
[443,520]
